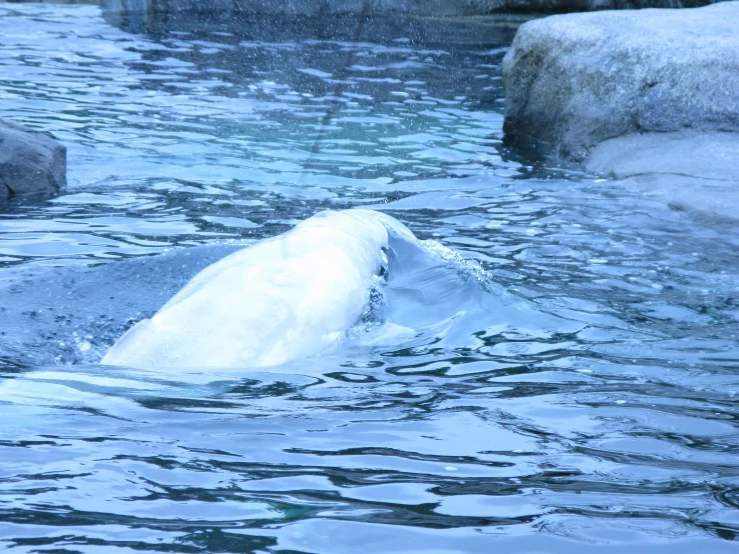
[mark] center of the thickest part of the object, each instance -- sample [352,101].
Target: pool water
[552,367]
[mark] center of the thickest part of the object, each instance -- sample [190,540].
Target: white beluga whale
[281,299]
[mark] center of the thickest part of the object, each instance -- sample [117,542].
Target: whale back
[283,298]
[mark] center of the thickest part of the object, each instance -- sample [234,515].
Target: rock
[574,81]
[650,98]
[415,7]
[30,162]
[705,200]
[563,6]
[421,21]
[708,155]
[696,172]
[302,7]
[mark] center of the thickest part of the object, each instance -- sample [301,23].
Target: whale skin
[283,298]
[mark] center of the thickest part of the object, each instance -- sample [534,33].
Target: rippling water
[554,368]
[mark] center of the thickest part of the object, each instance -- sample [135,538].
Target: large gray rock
[30,162]
[415,7]
[302,7]
[573,81]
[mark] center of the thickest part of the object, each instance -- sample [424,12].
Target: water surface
[553,368]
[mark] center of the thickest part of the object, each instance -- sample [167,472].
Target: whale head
[280,299]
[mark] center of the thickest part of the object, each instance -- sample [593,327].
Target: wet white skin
[281,299]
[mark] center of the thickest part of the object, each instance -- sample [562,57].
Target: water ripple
[554,368]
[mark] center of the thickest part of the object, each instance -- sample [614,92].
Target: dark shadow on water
[62,315]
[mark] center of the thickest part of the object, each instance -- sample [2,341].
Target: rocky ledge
[650,96]
[415,7]
[30,162]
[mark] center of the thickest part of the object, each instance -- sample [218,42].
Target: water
[553,367]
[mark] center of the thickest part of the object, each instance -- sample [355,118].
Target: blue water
[553,367]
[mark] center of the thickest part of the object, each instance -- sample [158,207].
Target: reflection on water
[562,380]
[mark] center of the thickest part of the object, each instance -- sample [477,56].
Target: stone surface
[302,7]
[30,162]
[418,7]
[562,6]
[691,171]
[573,81]
[286,22]
[711,155]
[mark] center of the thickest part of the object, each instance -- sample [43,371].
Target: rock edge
[30,161]
[573,81]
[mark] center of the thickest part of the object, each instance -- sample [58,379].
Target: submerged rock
[697,172]
[574,81]
[30,162]
[708,155]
